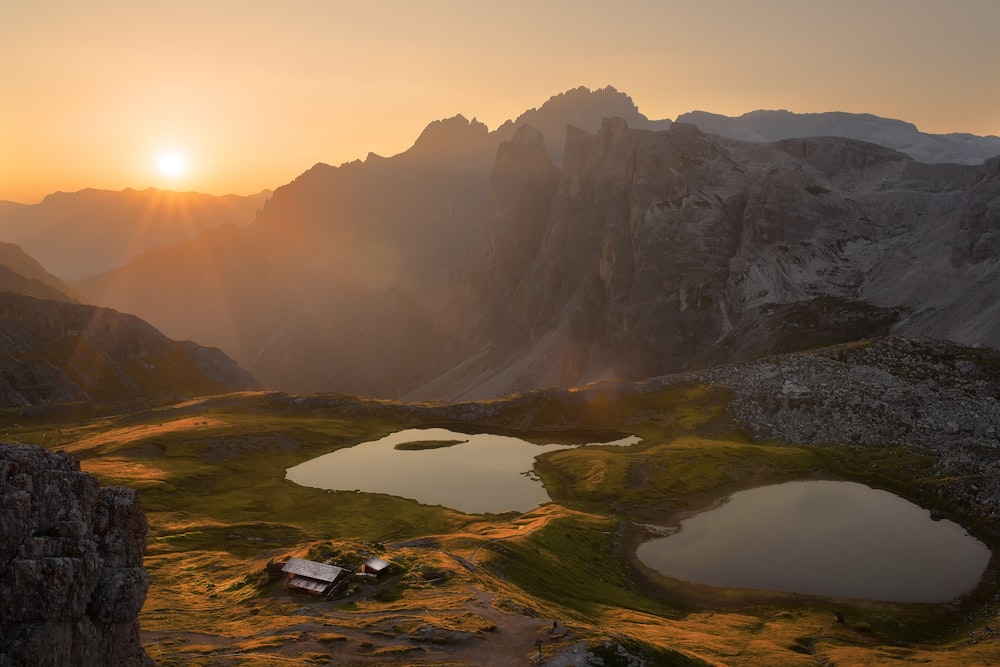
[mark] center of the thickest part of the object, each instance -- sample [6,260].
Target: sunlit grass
[211,478]
[571,563]
[123,471]
[681,473]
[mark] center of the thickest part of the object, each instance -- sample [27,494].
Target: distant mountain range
[54,350]
[580,242]
[77,234]
[959,148]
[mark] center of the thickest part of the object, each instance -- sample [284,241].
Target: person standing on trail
[538,645]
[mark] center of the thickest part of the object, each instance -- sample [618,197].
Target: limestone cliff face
[665,251]
[523,183]
[71,575]
[978,237]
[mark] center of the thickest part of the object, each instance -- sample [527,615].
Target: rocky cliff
[664,251]
[71,575]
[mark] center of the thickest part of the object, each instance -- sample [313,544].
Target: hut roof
[302,583]
[375,565]
[313,570]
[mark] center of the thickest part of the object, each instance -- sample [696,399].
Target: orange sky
[252,93]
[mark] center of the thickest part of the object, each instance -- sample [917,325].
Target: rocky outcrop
[931,396]
[53,352]
[71,576]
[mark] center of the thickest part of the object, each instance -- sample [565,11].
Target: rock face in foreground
[71,575]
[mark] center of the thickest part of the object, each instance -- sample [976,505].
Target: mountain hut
[314,578]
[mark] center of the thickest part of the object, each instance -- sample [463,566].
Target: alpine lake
[473,473]
[823,538]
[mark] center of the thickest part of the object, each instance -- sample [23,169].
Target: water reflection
[474,473]
[837,539]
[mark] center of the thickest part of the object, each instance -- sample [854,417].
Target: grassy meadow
[479,589]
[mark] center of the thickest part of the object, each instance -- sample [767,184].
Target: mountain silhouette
[77,234]
[478,263]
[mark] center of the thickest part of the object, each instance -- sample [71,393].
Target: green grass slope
[469,588]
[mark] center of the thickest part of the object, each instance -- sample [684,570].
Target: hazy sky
[251,93]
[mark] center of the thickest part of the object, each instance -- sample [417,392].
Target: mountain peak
[581,108]
[450,138]
[608,100]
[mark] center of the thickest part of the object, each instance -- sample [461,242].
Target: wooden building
[313,578]
[375,566]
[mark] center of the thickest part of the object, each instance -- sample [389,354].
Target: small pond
[834,539]
[471,473]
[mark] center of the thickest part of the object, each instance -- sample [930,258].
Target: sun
[171,164]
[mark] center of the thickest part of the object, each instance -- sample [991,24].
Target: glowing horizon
[251,94]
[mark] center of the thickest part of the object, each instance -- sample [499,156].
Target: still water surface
[479,473]
[837,539]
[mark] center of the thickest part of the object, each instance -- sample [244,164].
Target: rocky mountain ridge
[474,265]
[71,574]
[664,251]
[22,274]
[57,353]
[767,125]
